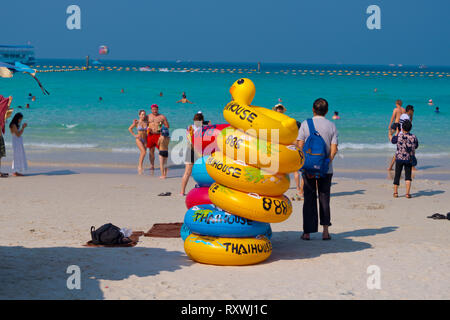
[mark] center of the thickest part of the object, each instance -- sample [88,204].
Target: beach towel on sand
[134,241]
[165,230]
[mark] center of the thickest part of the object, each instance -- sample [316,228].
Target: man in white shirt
[329,133]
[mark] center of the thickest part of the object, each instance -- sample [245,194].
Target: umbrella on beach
[7,70]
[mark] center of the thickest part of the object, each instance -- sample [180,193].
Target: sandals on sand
[438,216]
[164,194]
[4,175]
[395,195]
[408,196]
[303,237]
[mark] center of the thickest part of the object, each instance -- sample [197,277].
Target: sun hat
[279,105]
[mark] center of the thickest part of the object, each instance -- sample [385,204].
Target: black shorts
[164,154]
[190,156]
[395,125]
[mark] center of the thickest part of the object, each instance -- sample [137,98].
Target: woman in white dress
[19,164]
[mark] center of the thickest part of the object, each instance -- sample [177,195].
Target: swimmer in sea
[141,137]
[436,110]
[394,125]
[336,116]
[184,99]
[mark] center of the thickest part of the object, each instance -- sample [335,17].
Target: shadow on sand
[40,273]
[287,245]
[427,193]
[53,173]
[347,193]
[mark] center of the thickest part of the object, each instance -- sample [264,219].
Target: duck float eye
[240,81]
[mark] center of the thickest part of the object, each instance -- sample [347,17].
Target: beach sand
[46,218]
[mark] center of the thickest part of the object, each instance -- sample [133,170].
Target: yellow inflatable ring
[237,175]
[238,145]
[241,114]
[251,205]
[227,251]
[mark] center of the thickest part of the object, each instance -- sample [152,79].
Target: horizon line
[392,65]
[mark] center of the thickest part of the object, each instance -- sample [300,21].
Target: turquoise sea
[71,125]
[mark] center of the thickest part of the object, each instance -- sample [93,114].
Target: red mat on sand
[165,230]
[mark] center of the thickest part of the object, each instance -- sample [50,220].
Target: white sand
[45,220]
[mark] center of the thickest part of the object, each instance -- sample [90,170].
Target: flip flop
[304,238]
[164,194]
[438,216]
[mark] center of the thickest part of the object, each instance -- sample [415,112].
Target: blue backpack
[316,156]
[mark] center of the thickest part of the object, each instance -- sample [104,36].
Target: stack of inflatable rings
[250,173]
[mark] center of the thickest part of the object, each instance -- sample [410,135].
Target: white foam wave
[60,146]
[70,126]
[366,146]
[125,150]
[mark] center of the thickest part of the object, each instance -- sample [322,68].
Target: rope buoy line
[316,72]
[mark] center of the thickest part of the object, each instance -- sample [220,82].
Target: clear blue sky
[304,31]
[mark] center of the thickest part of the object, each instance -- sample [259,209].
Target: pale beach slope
[46,218]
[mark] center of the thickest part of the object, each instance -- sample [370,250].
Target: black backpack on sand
[108,234]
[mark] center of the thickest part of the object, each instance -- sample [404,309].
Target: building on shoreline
[11,54]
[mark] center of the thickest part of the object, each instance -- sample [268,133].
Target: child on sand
[407,144]
[163,146]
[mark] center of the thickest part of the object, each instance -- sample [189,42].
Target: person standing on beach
[191,155]
[408,116]
[298,181]
[5,104]
[163,146]
[407,144]
[141,137]
[314,184]
[394,124]
[19,164]
[155,122]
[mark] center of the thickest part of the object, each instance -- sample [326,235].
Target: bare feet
[162,177]
[17,174]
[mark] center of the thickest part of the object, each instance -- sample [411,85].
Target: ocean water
[72,125]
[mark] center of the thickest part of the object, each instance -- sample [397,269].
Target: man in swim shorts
[394,125]
[155,122]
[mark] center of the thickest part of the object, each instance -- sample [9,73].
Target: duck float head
[243,91]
